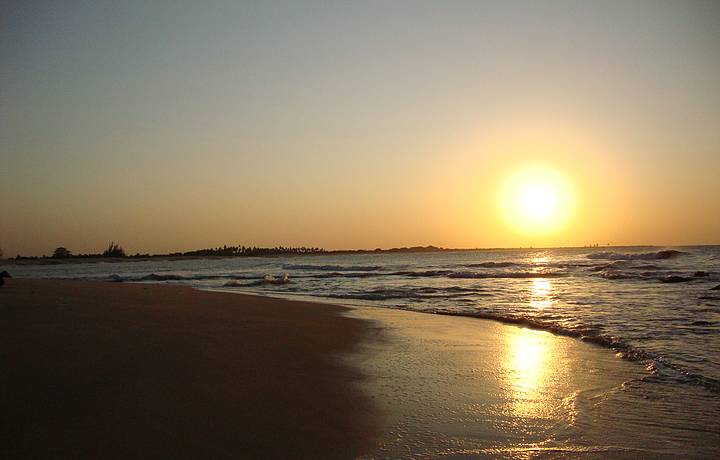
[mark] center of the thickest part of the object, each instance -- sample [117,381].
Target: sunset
[378,229]
[537,201]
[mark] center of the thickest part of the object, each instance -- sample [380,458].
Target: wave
[661,276]
[618,275]
[493,265]
[334,268]
[614,274]
[410,293]
[347,275]
[658,255]
[267,279]
[438,274]
[175,277]
[677,279]
[626,265]
[424,273]
[370,295]
[473,275]
[157,277]
[460,274]
[236,283]
[653,362]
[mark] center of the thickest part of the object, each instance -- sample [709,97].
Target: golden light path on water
[529,362]
[540,291]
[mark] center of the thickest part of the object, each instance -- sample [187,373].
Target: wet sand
[100,370]
[455,387]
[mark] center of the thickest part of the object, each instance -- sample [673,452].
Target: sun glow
[537,201]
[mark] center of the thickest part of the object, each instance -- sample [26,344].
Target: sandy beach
[360,230]
[99,370]
[93,369]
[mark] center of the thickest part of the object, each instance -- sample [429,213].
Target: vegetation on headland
[116,251]
[113,250]
[247,251]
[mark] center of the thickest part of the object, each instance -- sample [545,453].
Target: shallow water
[453,387]
[654,306]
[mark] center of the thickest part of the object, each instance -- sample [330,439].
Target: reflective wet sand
[460,387]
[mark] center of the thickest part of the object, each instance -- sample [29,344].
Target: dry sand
[98,370]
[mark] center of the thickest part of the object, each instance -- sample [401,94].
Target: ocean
[656,307]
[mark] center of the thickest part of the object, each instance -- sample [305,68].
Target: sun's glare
[537,201]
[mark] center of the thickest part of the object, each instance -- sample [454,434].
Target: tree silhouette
[61,253]
[114,250]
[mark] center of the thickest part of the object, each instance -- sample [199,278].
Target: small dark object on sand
[700,274]
[716,288]
[5,274]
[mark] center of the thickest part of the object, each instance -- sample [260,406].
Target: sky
[170,126]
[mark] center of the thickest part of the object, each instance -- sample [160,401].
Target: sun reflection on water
[540,260]
[540,291]
[530,367]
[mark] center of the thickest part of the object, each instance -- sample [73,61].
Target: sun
[536,200]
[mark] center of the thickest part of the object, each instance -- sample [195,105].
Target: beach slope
[137,370]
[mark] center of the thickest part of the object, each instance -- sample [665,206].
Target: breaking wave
[156,277]
[473,275]
[175,277]
[655,363]
[267,279]
[658,255]
[493,265]
[663,277]
[334,268]
[410,293]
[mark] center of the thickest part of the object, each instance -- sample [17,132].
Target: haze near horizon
[179,125]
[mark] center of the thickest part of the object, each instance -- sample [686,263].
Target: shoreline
[176,371]
[455,387]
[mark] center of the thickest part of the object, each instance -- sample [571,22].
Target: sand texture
[100,370]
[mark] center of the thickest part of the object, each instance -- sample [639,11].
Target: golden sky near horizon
[179,126]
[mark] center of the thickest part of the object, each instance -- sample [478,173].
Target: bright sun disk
[536,201]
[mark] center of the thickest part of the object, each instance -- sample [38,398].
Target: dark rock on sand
[676,279]
[716,288]
[5,274]
[700,274]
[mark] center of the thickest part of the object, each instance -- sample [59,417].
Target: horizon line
[314,250]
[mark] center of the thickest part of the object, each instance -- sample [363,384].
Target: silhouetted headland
[116,252]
